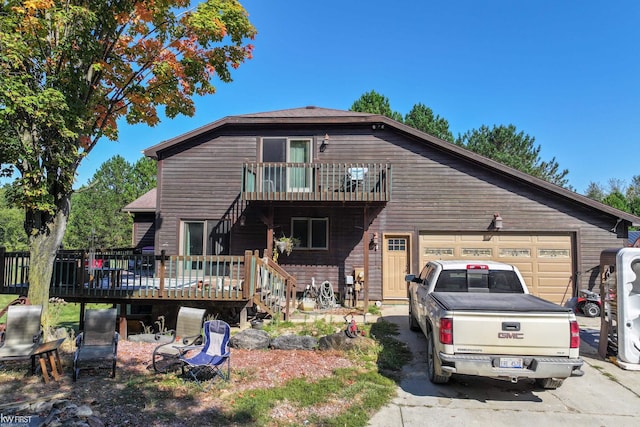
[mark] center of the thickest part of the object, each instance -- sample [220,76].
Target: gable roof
[315,115]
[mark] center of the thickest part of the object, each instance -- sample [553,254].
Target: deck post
[365,238]
[249,277]
[161,272]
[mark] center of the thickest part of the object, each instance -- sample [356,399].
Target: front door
[395,265]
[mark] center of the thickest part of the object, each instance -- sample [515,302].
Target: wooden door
[395,265]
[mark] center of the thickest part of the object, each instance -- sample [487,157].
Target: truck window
[452,281]
[495,281]
[504,282]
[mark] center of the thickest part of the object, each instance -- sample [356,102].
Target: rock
[152,338]
[340,341]
[84,411]
[250,339]
[294,342]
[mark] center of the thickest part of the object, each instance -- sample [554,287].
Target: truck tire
[549,383]
[434,377]
[413,323]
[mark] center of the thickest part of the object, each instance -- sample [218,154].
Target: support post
[365,237]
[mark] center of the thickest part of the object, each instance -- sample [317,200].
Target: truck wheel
[591,309]
[549,383]
[413,323]
[434,376]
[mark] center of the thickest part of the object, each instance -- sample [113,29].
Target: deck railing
[125,275]
[368,182]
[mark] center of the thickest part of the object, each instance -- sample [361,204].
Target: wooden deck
[126,277]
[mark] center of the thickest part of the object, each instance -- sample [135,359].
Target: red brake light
[446,331]
[477,267]
[575,335]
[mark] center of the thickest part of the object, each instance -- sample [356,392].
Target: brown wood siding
[432,190]
[143,230]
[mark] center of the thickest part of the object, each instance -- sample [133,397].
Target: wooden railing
[369,182]
[125,275]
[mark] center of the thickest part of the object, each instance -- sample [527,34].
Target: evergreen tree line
[96,219]
[507,145]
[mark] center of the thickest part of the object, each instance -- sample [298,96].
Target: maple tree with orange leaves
[71,70]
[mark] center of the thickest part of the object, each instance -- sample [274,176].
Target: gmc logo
[511,335]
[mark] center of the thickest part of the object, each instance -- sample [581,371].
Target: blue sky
[564,72]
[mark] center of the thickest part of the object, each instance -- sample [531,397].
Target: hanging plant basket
[285,245]
[281,245]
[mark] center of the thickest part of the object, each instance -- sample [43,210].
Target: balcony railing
[368,182]
[102,276]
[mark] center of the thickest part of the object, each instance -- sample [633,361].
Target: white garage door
[545,261]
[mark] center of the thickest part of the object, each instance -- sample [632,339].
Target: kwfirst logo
[14,420]
[511,335]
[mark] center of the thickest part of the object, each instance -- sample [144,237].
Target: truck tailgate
[496,324]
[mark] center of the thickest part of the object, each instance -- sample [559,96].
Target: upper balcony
[340,182]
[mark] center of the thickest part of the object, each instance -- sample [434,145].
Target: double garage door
[545,261]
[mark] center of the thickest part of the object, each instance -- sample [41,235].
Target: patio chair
[188,332]
[97,345]
[23,332]
[210,359]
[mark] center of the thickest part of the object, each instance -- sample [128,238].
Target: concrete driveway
[605,396]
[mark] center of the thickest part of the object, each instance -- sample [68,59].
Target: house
[369,199]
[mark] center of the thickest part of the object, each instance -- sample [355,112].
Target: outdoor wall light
[325,143]
[243,221]
[496,224]
[375,241]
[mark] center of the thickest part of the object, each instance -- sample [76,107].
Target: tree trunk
[44,241]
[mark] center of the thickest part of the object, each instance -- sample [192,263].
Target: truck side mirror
[410,278]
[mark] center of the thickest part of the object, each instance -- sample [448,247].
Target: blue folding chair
[210,360]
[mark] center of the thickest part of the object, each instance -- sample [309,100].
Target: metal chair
[211,358]
[97,345]
[188,332]
[23,332]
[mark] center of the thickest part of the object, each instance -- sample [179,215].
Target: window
[397,245]
[196,242]
[286,150]
[313,233]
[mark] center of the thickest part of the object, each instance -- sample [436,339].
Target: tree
[515,149]
[616,199]
[375,103]
[595,192]
[70,70]
[422,118]
[96,219]
[12,236]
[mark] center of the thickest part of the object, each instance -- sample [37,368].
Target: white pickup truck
[479,319]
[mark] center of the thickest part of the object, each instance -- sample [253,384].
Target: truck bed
[496,302]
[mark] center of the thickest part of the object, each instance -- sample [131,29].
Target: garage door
[545,261]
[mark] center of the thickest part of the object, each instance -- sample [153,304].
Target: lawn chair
[23,333]
[188,332]
[97,345]
[210,359]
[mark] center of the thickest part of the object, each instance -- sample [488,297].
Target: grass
[360,392]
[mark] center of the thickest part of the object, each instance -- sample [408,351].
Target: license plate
[511,362]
